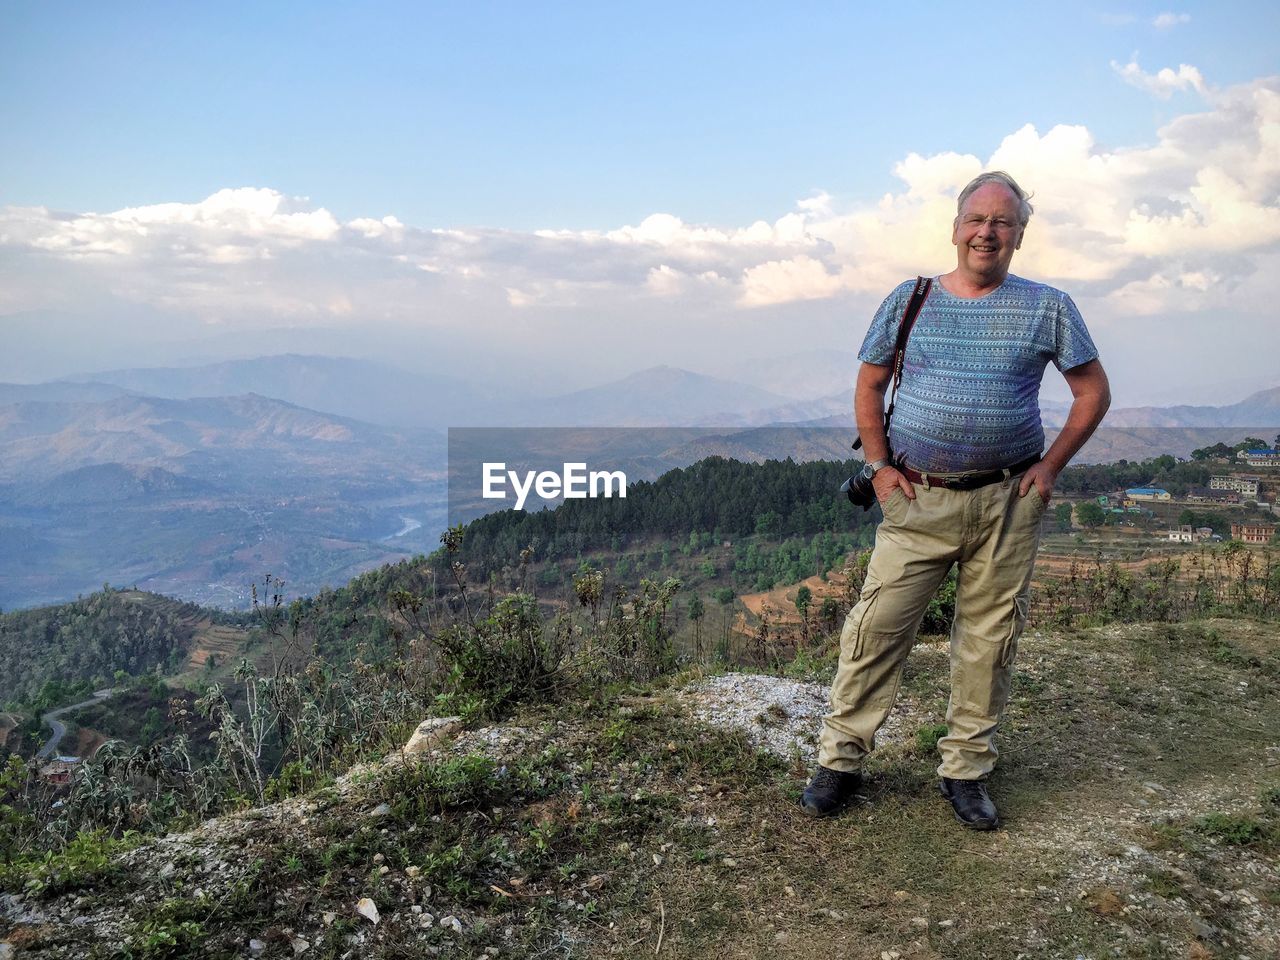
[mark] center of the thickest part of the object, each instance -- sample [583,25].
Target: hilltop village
[1156,512]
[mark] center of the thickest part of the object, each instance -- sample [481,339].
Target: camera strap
[918,295]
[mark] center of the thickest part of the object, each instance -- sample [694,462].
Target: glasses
[998,223]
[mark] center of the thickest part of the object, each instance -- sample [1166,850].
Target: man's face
[987,232]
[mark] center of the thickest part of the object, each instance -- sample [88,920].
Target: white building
[1260,458]
[1182,534]
[1247,487]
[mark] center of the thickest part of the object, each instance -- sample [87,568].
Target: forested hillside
[777,498]
[91,638]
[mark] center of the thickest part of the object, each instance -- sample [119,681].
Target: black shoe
[971,802]
[829,792]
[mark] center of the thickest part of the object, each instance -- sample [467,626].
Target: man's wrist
[872,467]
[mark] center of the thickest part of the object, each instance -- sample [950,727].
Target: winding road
[59,728]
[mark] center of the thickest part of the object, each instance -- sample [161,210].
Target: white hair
[998,176]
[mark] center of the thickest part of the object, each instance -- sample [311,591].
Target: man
[965,485]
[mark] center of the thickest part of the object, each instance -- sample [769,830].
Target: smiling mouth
[982,249]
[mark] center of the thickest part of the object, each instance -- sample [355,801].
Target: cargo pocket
[1021,609]
[859,619]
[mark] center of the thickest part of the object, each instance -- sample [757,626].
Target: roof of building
[1132,490]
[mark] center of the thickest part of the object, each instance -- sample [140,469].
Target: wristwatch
[870,469]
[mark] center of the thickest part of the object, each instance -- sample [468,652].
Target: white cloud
[1167,21]
[1183,222]
[784,281]
[1164,83]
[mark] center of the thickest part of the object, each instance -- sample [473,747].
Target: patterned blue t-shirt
[970,390]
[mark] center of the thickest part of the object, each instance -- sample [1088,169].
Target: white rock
[368,909]
[381,810]
[299,945]
[431,732]
[256,947]
[452,922]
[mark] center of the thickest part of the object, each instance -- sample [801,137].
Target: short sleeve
[882,336]
[1072,343]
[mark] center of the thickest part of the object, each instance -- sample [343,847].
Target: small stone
[452,922]
[946,923]
[920,922]
[416,908]
[381,810]
[432,732]
[890,955]
[412,872]
[378,858]
[256,948]
[368,909]
[426,920]
[328,917]
[299,945]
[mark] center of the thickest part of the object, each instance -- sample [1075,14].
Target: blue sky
[602,187]
[528,115]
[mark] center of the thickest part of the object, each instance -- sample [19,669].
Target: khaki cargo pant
[992,535]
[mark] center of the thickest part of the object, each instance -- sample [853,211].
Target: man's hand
[1042,475]
[886,480]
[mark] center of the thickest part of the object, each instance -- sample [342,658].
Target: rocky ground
[1139,786]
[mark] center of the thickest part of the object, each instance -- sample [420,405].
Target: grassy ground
[1139,783]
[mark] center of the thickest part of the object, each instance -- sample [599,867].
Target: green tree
[804,597]
[1062,513]
[769,524]
[829,612]
[1218,451]
[696,612]
[1090,514]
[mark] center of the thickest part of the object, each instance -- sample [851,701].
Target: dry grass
[629,830]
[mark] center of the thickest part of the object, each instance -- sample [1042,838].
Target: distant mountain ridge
[657,396]
[361,389]
[40,439]
[58,392]
[1260,407]
[379,393]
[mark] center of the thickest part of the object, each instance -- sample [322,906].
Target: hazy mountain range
[197,481]
[801,387]
[200,497]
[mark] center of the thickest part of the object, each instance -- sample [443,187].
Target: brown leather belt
[966,481]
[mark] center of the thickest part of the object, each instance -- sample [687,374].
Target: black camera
[859,490]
